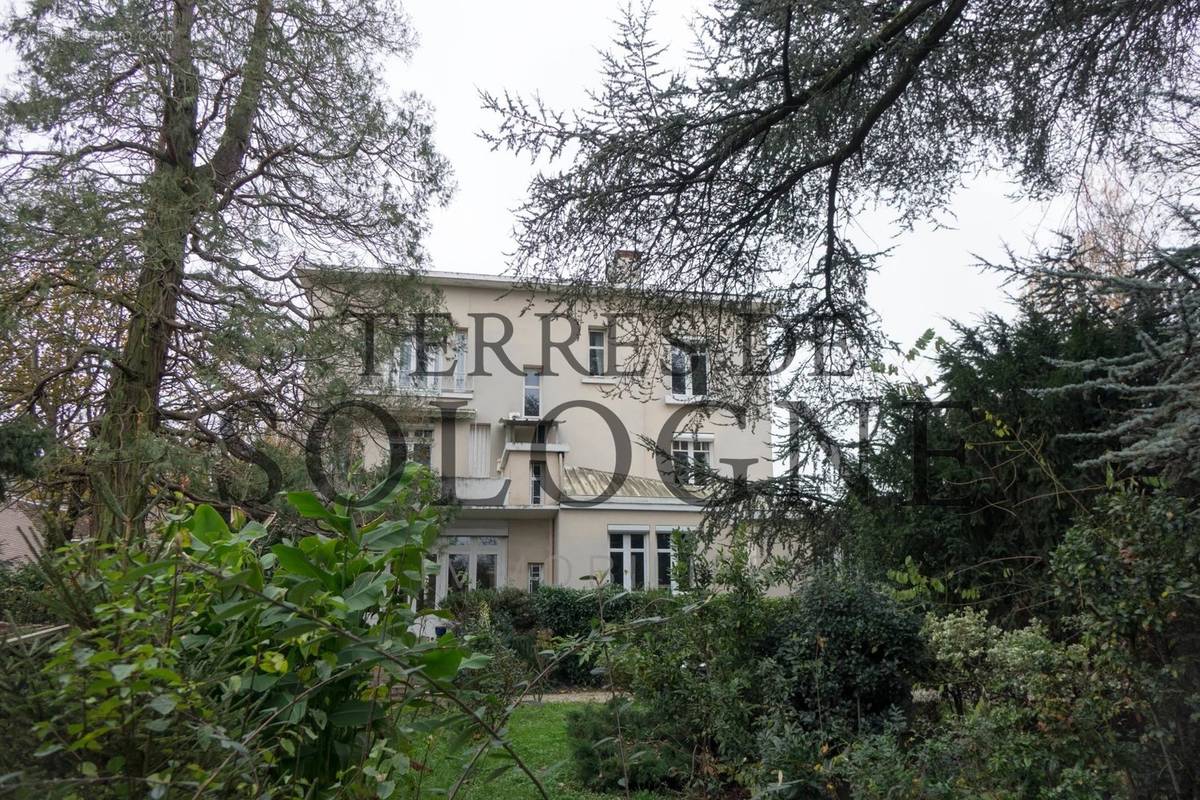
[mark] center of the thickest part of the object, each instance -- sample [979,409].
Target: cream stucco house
[532,439]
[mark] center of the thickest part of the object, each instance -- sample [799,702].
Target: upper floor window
[597,349]
[460,361]
[691,458]
[689,370]
[537,471]
[405,370]
[532,395]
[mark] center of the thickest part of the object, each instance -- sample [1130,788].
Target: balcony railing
[393,383]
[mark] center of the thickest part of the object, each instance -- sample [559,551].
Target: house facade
[520,411]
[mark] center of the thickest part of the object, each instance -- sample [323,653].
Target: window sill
[604,380]
[684,399]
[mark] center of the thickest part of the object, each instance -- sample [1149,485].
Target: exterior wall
[571,542]
[16,527]
[583,540]
[529,540]
[497,392]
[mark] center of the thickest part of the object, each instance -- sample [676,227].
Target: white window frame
[536,573]
[627,532]
[690,445]
[472,547]
[460,380]
[669,532]
[416,437]
[599,352]
[526,386]
[537,474]
[401,371]
[685,351]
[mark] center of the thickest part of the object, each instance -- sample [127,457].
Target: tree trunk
[125,457]
[178,191]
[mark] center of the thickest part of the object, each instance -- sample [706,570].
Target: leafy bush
[510,673]
[1028,717]
[844,654]
[619,745]
[203,663]
[22,601]
[756,688]
[509,622]
[1129,574]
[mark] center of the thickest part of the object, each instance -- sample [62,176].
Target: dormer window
[689,370]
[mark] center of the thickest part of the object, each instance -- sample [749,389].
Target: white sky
[551,48]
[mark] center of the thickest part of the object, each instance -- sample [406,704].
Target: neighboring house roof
[14,521]
[585,482]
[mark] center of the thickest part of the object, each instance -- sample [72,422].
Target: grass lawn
[538,734]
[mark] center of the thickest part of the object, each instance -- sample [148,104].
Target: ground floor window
[627,556]
[418,446]
[470,562]
[667,546]
[536,572]
[429,593]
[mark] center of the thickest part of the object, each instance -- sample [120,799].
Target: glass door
[471,562]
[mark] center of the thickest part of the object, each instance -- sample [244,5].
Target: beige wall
[499,393]
[528,541]
[583,539]
[574,543]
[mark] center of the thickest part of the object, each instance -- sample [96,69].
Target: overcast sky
[551,48]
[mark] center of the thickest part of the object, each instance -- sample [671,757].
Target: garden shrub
[1026,717]
[651,760]
[528,624]
[756,687]
[204,663]
[843,655]
[510,671]
[1129,574]
[22,600]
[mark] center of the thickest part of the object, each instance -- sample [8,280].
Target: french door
[471,562]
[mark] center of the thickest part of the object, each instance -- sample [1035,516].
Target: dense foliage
[178,177]
[22,595]
[209,662]
[548,633]
[992,520]
[748,685]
